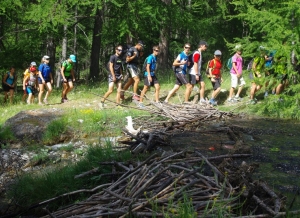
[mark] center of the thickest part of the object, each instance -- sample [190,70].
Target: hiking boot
[202,102]
[213,102]
[101,105]
[66,100]
[231,100]
[45,101]
[237,98]
[141,105]
[252,101]
[62,100]
[135,97]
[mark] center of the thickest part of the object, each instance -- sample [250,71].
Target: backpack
[144,68]
[191,60]
[207,67]
[229,63]
[249,66]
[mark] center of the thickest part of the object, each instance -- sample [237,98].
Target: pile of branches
[183,183]
[188,112]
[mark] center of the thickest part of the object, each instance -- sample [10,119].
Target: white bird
[130,128]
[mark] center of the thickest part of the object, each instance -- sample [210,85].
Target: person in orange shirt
[215,75]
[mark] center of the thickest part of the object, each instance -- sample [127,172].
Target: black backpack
[191,60]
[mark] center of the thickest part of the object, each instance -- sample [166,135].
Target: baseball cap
[141,43]
[73,58]
[46,57]
[203,43]
[218,52]
[33,63]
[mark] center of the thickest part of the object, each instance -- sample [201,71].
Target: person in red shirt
[215,75]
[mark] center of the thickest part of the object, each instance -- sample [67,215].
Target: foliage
[54,129]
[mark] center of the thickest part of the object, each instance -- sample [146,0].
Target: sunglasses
[186,47]
[156,50]
[120,49]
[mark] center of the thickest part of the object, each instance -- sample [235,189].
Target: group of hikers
[187,69]
[267,70]
[36,79]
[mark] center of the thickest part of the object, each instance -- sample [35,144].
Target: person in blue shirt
[9,84]
[150,78]
[45,79]
[180,65]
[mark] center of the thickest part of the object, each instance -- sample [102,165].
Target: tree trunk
[95,51]
[164,44]
[63,56]
[51,52]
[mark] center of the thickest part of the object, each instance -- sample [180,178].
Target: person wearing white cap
[68,77]
[215,75]
[25,74]
[45,78]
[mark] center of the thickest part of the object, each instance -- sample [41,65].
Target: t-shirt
[45,71]
[68,67]
[183,67]
[216,66]
[117,64]
[135,61]
[10,78]
[238,60]
[151,59]
[197,58]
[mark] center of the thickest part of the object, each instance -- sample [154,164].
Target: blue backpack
[229,63]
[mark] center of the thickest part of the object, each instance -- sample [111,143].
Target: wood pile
[184,184]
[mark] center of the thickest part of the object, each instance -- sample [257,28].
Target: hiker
[195,72]
[8,84]
[26,73]
[236,75]
[258,70]
[30,84]
[280,73]
[132,59]
[115,75]
[215,75]
[150,78]
[68,77]
[269,71]
[44,79]
[180,69]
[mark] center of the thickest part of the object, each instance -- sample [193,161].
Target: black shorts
[192,79]
[181,79]
[154,81]
[68,78]
[46,80]
[6,87]
[216,84]
[118,78]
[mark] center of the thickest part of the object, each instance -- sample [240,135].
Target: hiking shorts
[154,81]
[237,81]
[31,90]
[133,71]
[118,78]
[181,79]
[46,81]
[216,84]
[68,78]
[6,88]
[193,81]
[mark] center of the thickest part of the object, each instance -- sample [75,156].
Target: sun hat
[218,52]
[73,58]
[33,63]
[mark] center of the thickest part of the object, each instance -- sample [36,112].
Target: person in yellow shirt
[26,74]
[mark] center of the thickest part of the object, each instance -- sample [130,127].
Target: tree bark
[95,51]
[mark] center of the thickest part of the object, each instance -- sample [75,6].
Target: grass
[31,187]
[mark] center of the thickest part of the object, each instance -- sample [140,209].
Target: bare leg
[172,92]
[157,89]
[110,90]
